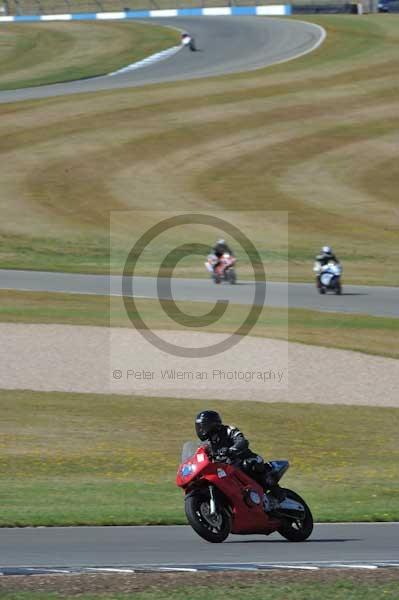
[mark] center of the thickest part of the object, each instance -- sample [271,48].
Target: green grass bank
[315,138]
[341,589]
[42,53]
[74,459]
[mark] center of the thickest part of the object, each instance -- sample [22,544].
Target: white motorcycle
[328,277]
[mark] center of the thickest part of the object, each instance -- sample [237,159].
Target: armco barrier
[270,11]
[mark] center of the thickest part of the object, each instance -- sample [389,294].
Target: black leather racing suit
[230,442]
[220,249]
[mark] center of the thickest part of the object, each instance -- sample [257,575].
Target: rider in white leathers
[326,256]
[188,40]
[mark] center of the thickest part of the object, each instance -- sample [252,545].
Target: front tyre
[297,530]
[214,529]
[231,276]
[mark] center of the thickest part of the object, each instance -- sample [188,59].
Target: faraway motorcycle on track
[329,278]
[188,41]
[221,499]
[222,269]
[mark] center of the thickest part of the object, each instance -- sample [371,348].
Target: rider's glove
[221,454]
[232,452]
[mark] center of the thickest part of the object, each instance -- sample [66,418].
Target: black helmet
[206,423]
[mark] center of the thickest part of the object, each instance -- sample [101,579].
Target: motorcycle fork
[212,502]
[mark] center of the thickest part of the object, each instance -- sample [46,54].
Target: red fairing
[197,465]
[243,494]
[225,262]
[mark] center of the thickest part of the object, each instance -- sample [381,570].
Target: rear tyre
[214,529]
[297,530]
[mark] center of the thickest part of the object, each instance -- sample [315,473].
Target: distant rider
[218,250]
[227,443]
[188,40]
[221,248]
[326,255]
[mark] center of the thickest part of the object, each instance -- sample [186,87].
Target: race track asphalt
[226,45]
[129,546]
[371,300]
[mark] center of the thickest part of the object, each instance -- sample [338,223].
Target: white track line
[110,570]
[150,60]
[319,42]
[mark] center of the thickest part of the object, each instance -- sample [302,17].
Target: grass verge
[43,53]
[72,459]
[240,586]
[362,333]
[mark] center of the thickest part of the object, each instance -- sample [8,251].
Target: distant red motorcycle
[222,269]
[221,499]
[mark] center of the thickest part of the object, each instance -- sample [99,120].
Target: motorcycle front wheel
[231,276]
[212,528]
[297,530]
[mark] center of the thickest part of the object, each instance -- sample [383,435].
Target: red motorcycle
[221,499]
[225,269]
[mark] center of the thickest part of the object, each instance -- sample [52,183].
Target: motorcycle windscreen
[188,450]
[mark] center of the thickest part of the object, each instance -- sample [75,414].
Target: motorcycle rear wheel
[214,530]
[297,531]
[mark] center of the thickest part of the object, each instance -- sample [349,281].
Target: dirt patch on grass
[121,361]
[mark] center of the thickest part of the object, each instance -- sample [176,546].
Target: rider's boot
[274,495]
[277,492]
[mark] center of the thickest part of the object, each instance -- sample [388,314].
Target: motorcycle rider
[220,248]
[188,40]
[228,443]
[326,255]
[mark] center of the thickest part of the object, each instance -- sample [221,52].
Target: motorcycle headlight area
[187,469]
[326,278]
